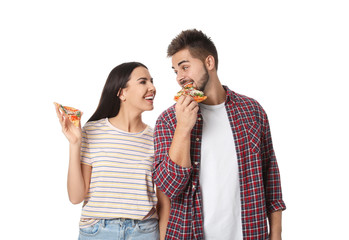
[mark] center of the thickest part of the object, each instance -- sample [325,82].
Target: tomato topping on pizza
[74,114]
[189,90]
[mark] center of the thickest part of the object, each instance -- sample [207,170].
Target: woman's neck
[128,122]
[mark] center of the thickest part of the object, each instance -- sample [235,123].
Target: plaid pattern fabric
[260,187]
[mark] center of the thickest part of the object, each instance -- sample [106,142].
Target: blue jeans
[121,229]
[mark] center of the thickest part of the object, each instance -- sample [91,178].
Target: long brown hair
[109,104]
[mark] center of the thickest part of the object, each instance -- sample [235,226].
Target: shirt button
[196,163]
[197,139]
[199,118]
[193,187]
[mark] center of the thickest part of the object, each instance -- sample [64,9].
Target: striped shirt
[121,183]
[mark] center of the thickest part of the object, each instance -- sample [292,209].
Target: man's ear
[210,62]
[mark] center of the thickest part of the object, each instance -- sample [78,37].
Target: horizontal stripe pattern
[121,182]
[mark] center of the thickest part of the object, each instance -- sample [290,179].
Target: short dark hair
[199,45]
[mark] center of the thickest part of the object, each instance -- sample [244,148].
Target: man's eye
[185,68]
[175,72]
[142,82]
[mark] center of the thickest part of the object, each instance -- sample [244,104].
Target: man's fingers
[188,100]
[193,105]
[181,100]
[185,100]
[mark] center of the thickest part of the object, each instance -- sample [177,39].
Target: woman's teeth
[149,98]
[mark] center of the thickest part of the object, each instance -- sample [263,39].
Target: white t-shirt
[219,176]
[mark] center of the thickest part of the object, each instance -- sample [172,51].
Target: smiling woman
[139,92]
[111,159]
[117,82]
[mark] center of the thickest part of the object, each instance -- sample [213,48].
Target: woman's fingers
[59,114]
[62,117]
[80,120]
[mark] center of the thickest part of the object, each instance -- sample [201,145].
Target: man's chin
[201,87]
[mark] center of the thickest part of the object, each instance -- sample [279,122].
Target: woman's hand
[72,133]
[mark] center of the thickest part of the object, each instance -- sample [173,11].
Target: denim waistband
[120,221]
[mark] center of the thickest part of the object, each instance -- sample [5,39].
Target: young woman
[111,160]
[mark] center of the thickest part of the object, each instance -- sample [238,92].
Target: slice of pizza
[74,114]
[189,90]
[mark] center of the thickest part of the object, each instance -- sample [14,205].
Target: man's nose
[180,78]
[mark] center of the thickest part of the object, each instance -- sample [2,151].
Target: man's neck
[214,91]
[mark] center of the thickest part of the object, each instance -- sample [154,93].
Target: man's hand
[186,113]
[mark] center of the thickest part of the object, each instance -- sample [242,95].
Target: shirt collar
[231,96]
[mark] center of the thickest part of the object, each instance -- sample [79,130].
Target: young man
[215,160]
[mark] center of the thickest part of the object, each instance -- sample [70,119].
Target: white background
[292,56]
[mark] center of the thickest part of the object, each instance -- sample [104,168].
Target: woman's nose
[151,87]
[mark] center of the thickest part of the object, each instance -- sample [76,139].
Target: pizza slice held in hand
[189,90]
[74,114]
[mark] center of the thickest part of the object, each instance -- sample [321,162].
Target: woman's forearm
[77,188]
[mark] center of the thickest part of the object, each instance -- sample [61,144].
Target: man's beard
[204,80]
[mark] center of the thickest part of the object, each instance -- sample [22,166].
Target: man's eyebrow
[181,62]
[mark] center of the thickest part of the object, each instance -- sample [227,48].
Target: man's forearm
[275,224]
[163,207]
[180,148]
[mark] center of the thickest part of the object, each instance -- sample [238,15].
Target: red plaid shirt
[260,187]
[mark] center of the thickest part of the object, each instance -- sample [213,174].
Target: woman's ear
[121,95]
[210,62]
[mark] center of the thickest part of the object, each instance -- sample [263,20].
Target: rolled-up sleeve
[169,177]
[271,175]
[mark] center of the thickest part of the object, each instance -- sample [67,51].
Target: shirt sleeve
[271,175]
[85,149]
[169,177]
